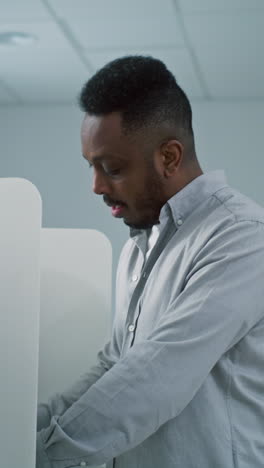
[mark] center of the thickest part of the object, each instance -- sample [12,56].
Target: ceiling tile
[217,5]
[47,71]
[112,10]
[22,10]
[176,59]
[53,78]
[48,35]
[229,49]
[102,33]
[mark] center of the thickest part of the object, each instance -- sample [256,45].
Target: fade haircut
[143,91]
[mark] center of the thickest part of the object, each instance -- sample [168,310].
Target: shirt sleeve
[59,403]
[221,301]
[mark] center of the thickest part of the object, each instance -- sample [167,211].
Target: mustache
[110,202]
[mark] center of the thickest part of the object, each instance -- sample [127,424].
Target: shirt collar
[183,203]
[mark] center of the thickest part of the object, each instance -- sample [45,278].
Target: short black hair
[142,89]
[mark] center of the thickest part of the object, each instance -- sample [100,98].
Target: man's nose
[100,184]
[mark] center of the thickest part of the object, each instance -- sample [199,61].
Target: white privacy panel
[75,305]
[20,214]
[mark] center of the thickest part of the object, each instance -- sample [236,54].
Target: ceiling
[214,47]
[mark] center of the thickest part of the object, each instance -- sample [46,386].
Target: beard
[149,202]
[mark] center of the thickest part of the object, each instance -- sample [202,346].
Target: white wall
[229,135]
[43,145]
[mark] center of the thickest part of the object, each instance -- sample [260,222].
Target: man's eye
[112,172]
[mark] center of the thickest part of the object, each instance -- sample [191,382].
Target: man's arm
[106,358]
[158,377]
[59,403]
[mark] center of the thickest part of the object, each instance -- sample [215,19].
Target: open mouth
[117,210]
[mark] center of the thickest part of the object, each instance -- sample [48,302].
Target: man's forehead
[102,126]
[102,138]
[104,135]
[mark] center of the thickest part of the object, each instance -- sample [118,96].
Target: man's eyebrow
[102,157]
[94,159]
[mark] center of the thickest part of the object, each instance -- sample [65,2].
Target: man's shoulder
[239,206]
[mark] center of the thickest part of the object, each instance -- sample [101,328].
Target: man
[180,384]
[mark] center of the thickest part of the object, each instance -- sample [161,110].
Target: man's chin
[143,224]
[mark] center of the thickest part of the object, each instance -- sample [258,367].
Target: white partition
[20,215]
[75,304]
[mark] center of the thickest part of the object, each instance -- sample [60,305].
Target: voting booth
[75,292]
[54,313]
[20,214]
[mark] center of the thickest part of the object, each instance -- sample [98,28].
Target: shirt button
[134,278]
[179,222]
[131,328]
[83,463]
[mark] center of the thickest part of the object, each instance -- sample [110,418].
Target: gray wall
[43,145]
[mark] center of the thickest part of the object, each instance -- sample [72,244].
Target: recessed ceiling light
[15,38]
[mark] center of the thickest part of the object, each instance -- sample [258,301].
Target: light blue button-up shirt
[181,383]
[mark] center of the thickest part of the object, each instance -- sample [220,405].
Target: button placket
[134,309]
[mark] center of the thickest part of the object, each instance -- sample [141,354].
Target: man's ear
[172,153]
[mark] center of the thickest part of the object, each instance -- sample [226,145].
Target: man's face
[128,178]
